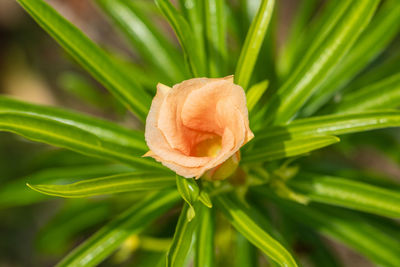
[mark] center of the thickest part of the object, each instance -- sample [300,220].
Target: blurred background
[38,231]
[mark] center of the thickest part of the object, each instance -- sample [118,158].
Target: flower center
[208,148]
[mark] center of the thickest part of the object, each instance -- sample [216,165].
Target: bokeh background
[34,68]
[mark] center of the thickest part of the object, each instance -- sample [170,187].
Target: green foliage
[246,252]
[319,61]
[290,148]
[190,192]
[204,254]
[177,254]
[382,30]
[193,10]
[253,42]
[383,94]
[15,193]
[349,194]
[126,182]
[145,37]
[336,73]
[104,130]
[343,226]
[185,36]
[54,131]
[255,93]
[215,29]
[73,218]
[240,218]
[90,56]
[108,238]
[332,124]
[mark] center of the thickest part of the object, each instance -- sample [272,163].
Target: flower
[197,125]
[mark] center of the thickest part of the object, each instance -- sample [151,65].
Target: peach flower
[197,125]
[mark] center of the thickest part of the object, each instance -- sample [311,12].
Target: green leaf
[110,237]
[319,62]
[302,16]
[90,56]
[246,253]
[337,124]
[185,37]
[320,27]
[205,249]
[215,22]
[61,134]
[380,32]
[184,234]
[16,193]
[376,73]
[145,37]
[253,95]
[126,182]
[103,129]
[253,42]
[349,194]
[364,175]
[189,191]
[346,227]
[193,11]
[74,218]
[240,218]
[383,94]
[287,148]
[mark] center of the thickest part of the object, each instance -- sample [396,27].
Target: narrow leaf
[145,37]
[16,193]
[349,194]
[318,63]
[104,130]
[378,72]
[126,182]
[90,56]
[253,42]
[320,27]
[302,17]
[383,94]
[204,256]
[253,95]
[193,11]
[60,134]
[380,32]
[246,253]
[287,148]
[240,218]
[110,237]
[183,237]
[215,22]
[348,228]
[331,125]
[184,34]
